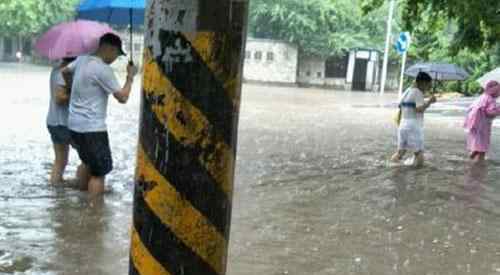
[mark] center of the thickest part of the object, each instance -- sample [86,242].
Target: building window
[336,66]
[138,46]
[308,73]
[319,75]
[258,55]
[248,55]
[270,56]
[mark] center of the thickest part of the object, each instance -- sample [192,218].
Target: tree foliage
[27,17]
[477,21]
[318,27]
[437,39]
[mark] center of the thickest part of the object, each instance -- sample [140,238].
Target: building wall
[350,68]
[337,83]
[277,63]
[312,71]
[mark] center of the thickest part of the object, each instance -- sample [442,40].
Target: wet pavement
[314,192]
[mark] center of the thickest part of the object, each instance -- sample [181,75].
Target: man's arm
[123,95]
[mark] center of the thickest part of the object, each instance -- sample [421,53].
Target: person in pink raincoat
[479,120]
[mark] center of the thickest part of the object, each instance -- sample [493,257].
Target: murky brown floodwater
[314,192]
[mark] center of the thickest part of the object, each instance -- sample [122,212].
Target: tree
[477,21]
[28,17]
[318,27]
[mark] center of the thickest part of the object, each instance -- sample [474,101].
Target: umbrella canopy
[493,75]
[71,39]
[438,71]
[115,12]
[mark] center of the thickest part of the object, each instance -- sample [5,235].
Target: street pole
[387,47]
[403,67]
[188,134]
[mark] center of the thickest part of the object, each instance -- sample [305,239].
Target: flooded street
[314,192]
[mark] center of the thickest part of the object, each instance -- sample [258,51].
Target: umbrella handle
[131,62]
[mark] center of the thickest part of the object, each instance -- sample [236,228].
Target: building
[270,61]
[355,70]
[9,46]
[279,62]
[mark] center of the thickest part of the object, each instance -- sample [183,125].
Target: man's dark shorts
[94,151]
[59,135]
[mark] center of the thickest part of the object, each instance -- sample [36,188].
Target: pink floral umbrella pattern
[71,39]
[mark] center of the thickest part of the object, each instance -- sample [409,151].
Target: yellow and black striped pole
[188,133]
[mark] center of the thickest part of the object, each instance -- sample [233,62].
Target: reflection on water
[314,192]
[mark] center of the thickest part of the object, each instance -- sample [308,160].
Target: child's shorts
[411,137]
[59,135]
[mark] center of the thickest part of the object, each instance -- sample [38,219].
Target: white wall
[372,71]
[350,67]
[339,83]
[283,67]
[312,71]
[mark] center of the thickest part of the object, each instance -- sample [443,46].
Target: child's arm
[492,110]
[423,108]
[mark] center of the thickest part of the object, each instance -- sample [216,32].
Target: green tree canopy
[318,27]
[27,17]
[477,21]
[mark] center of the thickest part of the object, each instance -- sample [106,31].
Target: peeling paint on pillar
[188,134]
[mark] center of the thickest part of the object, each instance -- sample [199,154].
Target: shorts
[94,151]
[411,137]
[59,134]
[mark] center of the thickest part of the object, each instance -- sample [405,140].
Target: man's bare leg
[96,186]
[83,176]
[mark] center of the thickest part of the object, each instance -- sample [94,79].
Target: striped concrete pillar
[188,131]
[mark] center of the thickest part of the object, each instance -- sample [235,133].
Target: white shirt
[409,115]
[93,82]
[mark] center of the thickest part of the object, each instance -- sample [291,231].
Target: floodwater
[314,192]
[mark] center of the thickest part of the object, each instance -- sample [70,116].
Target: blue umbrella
[114,12]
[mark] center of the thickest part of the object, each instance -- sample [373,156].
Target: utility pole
[188,134]
[387,46]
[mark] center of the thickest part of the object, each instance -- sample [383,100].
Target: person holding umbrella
[63,42]
[410,131]
[93,82]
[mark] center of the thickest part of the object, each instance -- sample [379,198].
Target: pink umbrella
[71,39]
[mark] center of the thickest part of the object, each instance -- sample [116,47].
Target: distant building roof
[269,40]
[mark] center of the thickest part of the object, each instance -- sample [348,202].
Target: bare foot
[396,158]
